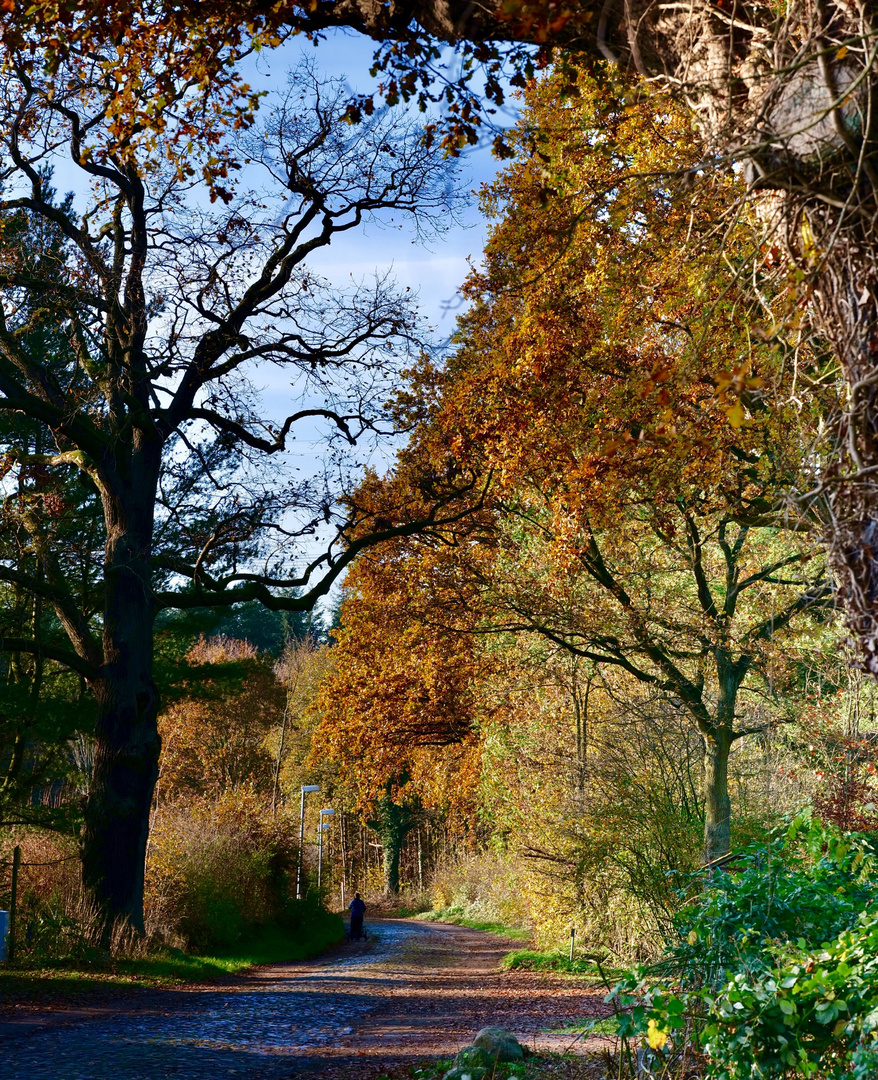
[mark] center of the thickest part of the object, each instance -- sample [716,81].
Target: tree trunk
[127,742]
[391,856]
[718,738]
[717,803]
[392,824]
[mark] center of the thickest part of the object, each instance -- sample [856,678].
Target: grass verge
[542,1066]
[532,960]
[68,978]
[607,1025]
[450,915]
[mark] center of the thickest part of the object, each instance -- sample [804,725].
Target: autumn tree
[215,734]
[168,290]
[605,380]
[691,607]
[783,93]
[607,377]
[399,705]
[787,93]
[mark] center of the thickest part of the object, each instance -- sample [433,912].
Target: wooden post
[572,941]
[16,863]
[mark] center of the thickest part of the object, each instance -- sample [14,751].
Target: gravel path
[419,990]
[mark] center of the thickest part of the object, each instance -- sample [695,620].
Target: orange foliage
[399,703]
[608,355]
[214,737]
[613,400]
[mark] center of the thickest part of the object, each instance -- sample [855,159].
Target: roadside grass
[404,912]
[451,915]
[580,1025]
[556,960]
[66,977]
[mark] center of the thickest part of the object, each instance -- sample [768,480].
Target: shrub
[55,923]
[217,869]
[773,971]
[482,887]
[809,883]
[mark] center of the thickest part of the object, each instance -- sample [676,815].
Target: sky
[434,272]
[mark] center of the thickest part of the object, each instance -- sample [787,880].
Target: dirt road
[418,990]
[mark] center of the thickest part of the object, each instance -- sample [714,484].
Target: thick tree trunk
[392,853]
[718,739]
[127,742]
[717,803]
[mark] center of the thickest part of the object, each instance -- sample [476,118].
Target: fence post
[16,862]
[572,940]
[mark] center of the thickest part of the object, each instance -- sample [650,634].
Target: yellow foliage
[655,1036]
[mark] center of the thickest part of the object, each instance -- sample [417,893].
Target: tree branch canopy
[142,468]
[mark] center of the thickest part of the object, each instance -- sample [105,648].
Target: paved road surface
[421,989]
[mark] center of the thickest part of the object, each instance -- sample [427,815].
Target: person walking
[357,909]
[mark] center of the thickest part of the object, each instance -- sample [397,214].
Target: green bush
[533,960]
[809,883]
[773,971]
[225,890]
[311,926]
[220,870]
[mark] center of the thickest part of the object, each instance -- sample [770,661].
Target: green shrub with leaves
[773,972]
[809,883]
[218,869]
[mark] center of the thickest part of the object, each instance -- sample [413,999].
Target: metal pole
[344,861]
[320,855]
[322,828]
[16,863]
[301,844]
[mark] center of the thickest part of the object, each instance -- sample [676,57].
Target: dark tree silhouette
[169,306]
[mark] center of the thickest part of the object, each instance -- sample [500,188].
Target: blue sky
[434,272]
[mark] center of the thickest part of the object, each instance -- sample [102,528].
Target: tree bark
[718,739]
[127,741]
[392,824]
[717,802]
[391,855]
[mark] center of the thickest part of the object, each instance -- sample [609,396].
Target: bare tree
[174,294]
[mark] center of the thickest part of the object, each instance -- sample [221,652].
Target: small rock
[499,1044]
[473,1057]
